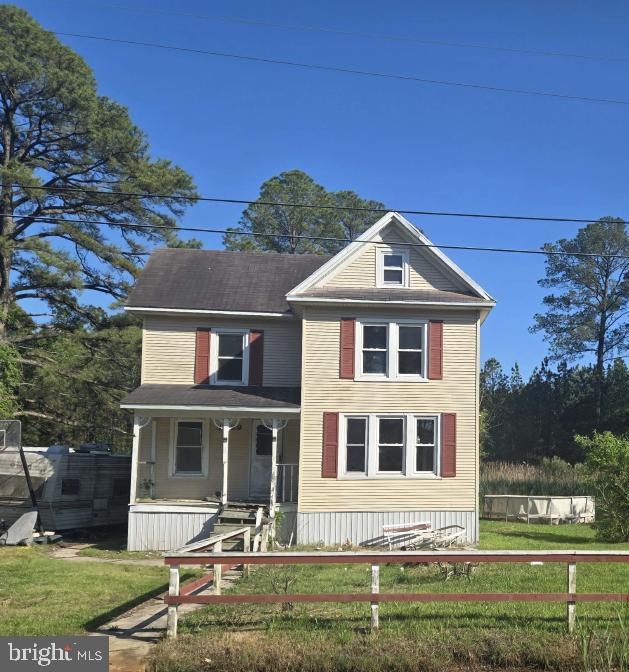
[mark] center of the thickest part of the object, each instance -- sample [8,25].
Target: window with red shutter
[202,356]
[448,445]
[435,350]
[347,345]
[256,357]
[330,445]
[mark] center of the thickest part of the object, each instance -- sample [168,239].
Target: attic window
[392,268]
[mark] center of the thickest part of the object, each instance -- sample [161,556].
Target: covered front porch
[190,461]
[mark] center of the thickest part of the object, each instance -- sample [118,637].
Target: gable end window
[392,268]
[230,357]
[391,350]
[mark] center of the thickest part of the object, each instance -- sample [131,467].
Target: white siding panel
[164,531]
[332,528]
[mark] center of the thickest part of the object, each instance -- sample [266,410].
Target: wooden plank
[398,597]
[572,589]
[198,546]
[172,612]
[207,578]
[316,558]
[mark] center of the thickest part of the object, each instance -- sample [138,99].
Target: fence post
[218,569]
[375,589]
[173,590]
[572,589]
[246,547]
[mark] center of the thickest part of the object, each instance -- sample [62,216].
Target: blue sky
[233,124]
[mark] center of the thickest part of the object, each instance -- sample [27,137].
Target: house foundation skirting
[163,528]
[166,527]
[336,527]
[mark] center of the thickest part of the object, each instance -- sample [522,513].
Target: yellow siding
[168,345]
[322,390]
[424,271]
[240,441]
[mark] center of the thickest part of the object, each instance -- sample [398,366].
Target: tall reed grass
[553,477]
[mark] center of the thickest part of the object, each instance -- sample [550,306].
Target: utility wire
[349,71]
[241,201]
[196,229]
[351,33]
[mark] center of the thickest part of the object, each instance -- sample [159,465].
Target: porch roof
[218,398]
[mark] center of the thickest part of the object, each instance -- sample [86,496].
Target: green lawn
[42,595]
[523,635]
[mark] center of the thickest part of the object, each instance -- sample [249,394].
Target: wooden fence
[177,596]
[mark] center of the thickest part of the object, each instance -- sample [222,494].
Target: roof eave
[445,304]
[148,310]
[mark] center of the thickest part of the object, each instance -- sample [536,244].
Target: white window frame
[410,442]
[343,445]
[376,447]
[382,252]
[216,335]
[436,418]
[205,449]
[392,374]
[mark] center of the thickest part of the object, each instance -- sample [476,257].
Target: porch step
[220,527]
[243,515]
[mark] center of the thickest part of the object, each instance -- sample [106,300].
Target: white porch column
[226,424]
[275,426]
[138,423]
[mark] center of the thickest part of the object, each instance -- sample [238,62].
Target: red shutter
[346,361]
[448,445]
[435,350]
[202,357]
[256,357]
[330,444]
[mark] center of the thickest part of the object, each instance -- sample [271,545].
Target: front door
[260,463]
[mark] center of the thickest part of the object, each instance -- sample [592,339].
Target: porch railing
[287,475]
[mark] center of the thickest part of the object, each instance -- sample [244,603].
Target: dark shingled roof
[393,294]
[221,280]
[224,397]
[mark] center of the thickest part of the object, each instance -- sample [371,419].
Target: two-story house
[340,390]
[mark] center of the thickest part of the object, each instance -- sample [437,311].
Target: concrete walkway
[134,633]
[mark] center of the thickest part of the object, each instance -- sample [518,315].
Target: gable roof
[220,280]
[416,237]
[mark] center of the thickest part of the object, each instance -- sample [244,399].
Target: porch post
[226,429]
[274,426]
[135,450]
[225,425]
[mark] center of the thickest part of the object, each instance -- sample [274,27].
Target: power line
[196,229]
[283,204]
[349,71]
[368,35]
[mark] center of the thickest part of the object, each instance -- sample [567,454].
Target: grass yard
[40,595]
[414,636]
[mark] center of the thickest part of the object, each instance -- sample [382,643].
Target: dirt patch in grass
[362,651]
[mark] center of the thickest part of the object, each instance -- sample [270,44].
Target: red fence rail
[375,559]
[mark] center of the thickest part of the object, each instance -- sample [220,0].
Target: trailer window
[70,486]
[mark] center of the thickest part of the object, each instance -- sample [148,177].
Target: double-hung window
[391,350]
[389,445]
[375,349]
[425,445]
[188,456]
[230,355]
[356,434]
[392,268]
